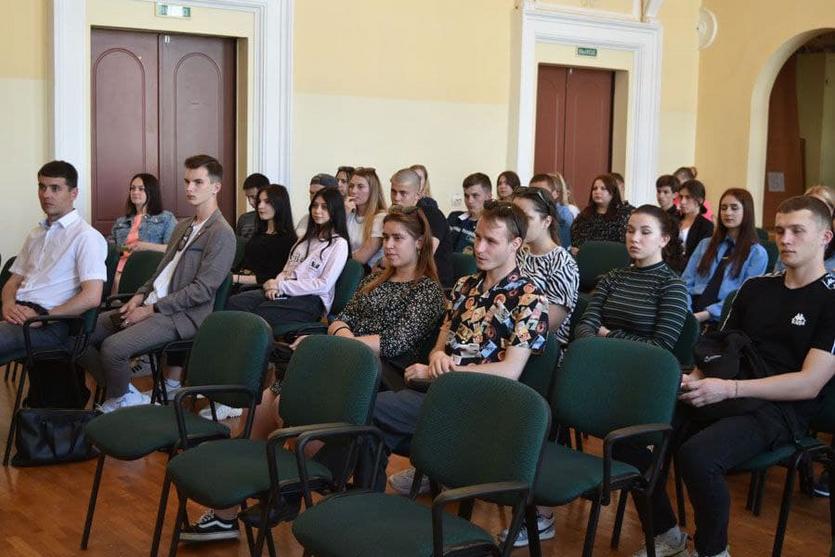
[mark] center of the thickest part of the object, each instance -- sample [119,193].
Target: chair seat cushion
[371,524]
[223,473]
[777,455]
[566,474]
[311,328]
[135,431]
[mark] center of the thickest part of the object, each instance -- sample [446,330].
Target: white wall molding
[548,24]
[270,114]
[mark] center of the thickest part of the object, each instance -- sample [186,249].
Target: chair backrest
[607,383]
[329,379]
[683,349]
[597,258]
[231,348]
[476,428]
[579,309]
[726,306]
[110,264]
[240,246]
[139,267]
[463,264]
[222,294]
[6,273]
[539,370]
[346,285]
[824,420]
[773,253]
[762,234]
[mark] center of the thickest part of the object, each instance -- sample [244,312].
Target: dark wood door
[574,125]
[124,93]
[197,112]
[156,100]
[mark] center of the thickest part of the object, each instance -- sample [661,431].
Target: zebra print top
[556,275]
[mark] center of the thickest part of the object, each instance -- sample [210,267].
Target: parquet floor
[42,513]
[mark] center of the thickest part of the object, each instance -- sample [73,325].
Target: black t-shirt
[784,324]
[266,254]
[440,230]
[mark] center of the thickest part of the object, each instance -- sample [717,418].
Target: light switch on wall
[457,201]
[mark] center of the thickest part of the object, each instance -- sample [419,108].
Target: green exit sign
[172,10]
[586,51]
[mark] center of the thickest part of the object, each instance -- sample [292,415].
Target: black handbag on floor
[52,436]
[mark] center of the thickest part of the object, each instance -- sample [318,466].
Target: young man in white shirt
[176,299]
[60,269]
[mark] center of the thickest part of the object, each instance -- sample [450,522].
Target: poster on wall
[776,182]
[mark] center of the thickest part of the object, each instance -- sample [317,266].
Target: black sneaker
[209,528]
[821,488]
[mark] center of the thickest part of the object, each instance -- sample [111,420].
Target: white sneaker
[130,398]
[169,390]
[545,525]
[664,548]
[402,482]
[223,412]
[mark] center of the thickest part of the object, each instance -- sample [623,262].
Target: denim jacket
[155,229]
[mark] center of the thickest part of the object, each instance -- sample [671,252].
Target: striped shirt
[647,304]
[555,273]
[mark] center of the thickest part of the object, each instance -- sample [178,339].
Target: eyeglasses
[184,239]
[403,210]
[505,210]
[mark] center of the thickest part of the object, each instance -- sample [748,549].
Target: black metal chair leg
[250,540]
[591,530]
[91,506]
[532,525]
[178,525]
[8,370]
[830,468]
[13,421]
[752,489]
[271,543]
[758,496]
[642,501]
[264,524]
[622,497]
[785,507]
[15,366]
[681,505]
[163,503]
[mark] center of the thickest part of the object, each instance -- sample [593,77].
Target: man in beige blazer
[177,298]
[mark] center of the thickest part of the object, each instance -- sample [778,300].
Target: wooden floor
[42,513]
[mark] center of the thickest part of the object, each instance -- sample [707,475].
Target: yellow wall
[735,78]
[811,70]
[827,167]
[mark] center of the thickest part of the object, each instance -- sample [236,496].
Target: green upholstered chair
[762,234]
[330,384]
[111,262]
[346,286]
[683,349]
[596,258]
[773,254]
[463,264]
[223,367]
[479,435]
[139,267]
[240,248]
[617,390]
[583,300]
[539,370]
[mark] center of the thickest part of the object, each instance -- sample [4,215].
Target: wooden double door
[574,125]
[158,99]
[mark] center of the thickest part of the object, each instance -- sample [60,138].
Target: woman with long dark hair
[720,264]
[693,225]
[267,250]
[605,216]
[506,184]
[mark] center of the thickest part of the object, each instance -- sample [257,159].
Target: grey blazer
[199,273]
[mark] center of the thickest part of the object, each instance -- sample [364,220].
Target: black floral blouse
[483,325]
[598,227]
[402,313]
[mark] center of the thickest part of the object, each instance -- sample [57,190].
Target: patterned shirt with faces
[483,325]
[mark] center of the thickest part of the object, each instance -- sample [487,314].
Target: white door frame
[270,133]
[542,23]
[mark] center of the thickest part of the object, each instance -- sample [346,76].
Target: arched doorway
[777,153]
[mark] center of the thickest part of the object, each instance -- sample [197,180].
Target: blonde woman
[365,207]
[425,188]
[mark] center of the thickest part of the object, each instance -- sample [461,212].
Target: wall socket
[457,202]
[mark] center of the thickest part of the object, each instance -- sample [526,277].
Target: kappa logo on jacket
[799,320]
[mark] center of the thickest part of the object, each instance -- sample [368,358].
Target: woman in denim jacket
[145,225]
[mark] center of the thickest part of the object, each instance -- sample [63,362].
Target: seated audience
[303,291]
[494,320]
[790,319]
[365,207]
[267,250]
[405,191]
[646,301]
[392,312]
[542,260]
[568,199]
[343,178]
[686,174]
[548,184]
[693,225]
[825,194]
[425,187]
[622,189]
[247,222]
[59,270]
[176,299]
[666,190]
[317,183]
[604,218]
[477,189]
[506,184]
[720,264]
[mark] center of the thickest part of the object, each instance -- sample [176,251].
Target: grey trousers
[108,355]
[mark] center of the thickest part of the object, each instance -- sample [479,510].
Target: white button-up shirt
[57,258]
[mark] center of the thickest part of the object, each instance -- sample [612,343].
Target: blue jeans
[13,347]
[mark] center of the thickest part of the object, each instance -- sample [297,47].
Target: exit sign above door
[586,51]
